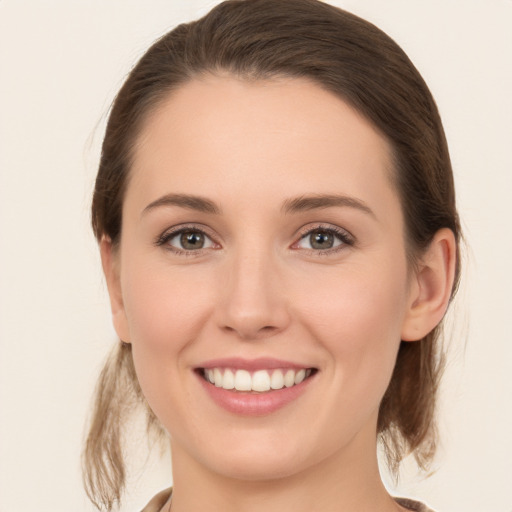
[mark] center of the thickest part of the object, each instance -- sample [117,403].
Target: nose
[253,302]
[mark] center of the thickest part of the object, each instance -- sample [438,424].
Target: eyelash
[346,239]
[165,237]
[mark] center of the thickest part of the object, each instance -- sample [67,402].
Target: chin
[259,458]
[257,469]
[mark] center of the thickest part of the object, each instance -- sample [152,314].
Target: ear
[431,286]
[110,263]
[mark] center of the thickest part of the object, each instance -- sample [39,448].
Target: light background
[61,63]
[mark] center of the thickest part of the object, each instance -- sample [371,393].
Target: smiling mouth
[260,381]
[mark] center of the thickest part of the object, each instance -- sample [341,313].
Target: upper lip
[261,363]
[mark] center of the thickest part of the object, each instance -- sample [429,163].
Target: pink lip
[251,365]
[251,403]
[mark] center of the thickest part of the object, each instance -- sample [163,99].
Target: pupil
[192,240]
[321,240]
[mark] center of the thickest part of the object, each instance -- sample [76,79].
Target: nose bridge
[253,304]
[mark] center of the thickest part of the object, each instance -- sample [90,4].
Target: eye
[186,240]
[324,239]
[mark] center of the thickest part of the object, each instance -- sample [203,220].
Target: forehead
[222,135]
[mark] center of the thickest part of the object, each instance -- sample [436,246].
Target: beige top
[159,500]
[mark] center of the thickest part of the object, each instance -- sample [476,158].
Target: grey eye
[321,239]
[189,240]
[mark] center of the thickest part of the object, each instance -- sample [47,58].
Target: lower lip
[254,404]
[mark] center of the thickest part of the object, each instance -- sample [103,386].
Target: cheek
[357,317]
[166,312]
[163,306]
[358,300]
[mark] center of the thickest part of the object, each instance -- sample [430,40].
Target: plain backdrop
[61,63]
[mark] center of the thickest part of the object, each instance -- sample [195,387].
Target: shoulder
[158,501]
[414,506]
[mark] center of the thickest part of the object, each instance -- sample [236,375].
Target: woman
[276,217]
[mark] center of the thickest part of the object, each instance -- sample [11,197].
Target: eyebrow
[197,203]
[293,205]
[314,202]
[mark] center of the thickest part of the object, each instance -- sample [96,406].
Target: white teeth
[228,381]
[243,381]
[277,380]
[300,376]
[260,381]
[217,377]
[289,378]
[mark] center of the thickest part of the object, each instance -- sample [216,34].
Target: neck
[345,481]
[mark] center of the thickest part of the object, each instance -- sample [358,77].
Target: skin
[258,289]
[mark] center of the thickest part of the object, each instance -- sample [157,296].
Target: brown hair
[351,58]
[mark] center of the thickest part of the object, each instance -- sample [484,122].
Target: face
[263,281]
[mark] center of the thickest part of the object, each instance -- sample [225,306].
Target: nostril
[246,331]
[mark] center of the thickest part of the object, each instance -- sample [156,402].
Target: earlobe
[110,264]
[432,287]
